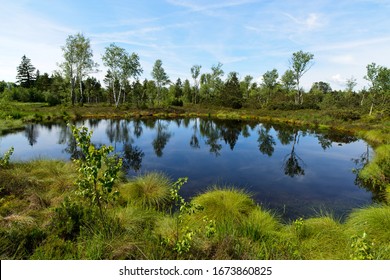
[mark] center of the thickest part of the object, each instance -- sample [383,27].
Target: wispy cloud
[199,6]
[310,22]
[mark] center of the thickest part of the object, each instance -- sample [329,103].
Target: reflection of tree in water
[293,164]
[326,139]
[209,130]
[378,194]
[230,131]
[118,131]
[325,142]
[226,130]
[162,138]
[194,142]
[66,137]
[137,128]
[132,157]
[285,133]
[266,141]
[31,133]
[94,123]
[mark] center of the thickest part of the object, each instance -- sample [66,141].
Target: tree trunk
[72,95]
[81,93]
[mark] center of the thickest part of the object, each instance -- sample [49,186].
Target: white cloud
[310,22]
[338,79]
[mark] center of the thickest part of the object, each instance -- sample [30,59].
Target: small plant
[97,171]
[299,227]
[183,234]
[4,160]
[361,248]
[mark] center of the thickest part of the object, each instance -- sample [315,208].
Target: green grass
[226,204]
[377,173]
[140,223]
[140,228]
[375,222]
[323,238]
[150,190]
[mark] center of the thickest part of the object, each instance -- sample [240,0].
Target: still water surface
[295,173]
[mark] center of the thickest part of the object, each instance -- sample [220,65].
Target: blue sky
[247,36]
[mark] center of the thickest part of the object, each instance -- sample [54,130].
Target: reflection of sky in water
[327,183]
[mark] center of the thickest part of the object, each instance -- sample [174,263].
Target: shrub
[4,160]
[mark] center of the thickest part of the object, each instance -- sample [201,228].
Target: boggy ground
[42,216]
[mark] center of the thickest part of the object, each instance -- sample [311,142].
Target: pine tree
[25,73]
[232,95]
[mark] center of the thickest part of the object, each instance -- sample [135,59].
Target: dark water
[296,173]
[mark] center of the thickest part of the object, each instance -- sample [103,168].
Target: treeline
[73,83]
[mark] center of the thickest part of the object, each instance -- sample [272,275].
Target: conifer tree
[25,73]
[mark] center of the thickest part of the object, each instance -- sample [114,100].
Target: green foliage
[25,73]
[183,235]
[97,171]
[361,248]
[4,160]
[70,218]
[226,204]
[300,63]
[20,240]
[232,95]
[299,227]
[151,190]
[377,172]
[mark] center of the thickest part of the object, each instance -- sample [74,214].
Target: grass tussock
[230,204]
[150,190]
[372,225]
[322,238]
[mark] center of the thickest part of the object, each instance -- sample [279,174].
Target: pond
[293,172]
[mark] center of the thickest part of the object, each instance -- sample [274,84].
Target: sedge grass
[150,190]
[374,223]
[225,204]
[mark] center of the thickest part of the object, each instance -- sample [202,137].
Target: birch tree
[195,71]
[78,62]
[300,63]
[122,67]
[160,76]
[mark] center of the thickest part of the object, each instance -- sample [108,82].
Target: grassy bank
[43,217]
[15,114]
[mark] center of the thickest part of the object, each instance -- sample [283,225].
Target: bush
[177,102]
[345,115]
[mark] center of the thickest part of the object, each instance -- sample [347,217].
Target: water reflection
[282,165]
[162,138]
[293,164]
[132,157]
[266,141]
[32,134]
[378,194]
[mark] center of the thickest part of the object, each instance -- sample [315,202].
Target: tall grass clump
[375,222]
[321,238]
[151,190]
[226,204]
